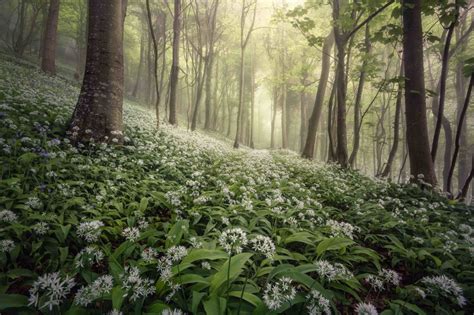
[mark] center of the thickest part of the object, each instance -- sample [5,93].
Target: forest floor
[177,219]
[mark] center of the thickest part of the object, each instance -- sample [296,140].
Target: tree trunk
[140,66]
[284,117]
[274,111]
[360,90]
[98,113]
[175,64]
[308,151]
[155,62]
[48,62]
[396,130]
[415,103]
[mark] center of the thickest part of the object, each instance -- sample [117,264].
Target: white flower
[172,312]
[332,272]
[135,285]
[90,231]
[149,255]
[317,304]
[195,243]
[278,293]
[341,229]
[34,203]
[206,265]
[131,233]
[263,244]
[366,309]
[88,256]
[41,228]
[446,286]
[100,287]
[176,253]
[51,289]
[8,216]
[114,312]
[232,240]
[6,246]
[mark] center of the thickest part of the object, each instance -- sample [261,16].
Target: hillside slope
[179,220]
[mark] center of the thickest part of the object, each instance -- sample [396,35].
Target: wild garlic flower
[115,312]
[383,279]
[332,272]
[233,240]
[51,289]
[317,304]
[341,229]
[88,256]
[446,287]
[206,265]
[366,309]
[6,246]
[176,253]
[90,231]
[100,287]
[34,203]
[134,284]
[263,244]
[41,228]
[278,293]
[8,216]
[172,312]
[195,243]
[131,233]
[149,255]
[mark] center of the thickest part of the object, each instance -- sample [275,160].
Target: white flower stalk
[172,312]
[88,294]
[6,246]
[264,245]
[332,272]
[134,285]
[89,256]
[366,309]
[90,231]
[50,288]
[8,216]
[278,293]
[131,233]
[318,304]
[446,287]
[233,240]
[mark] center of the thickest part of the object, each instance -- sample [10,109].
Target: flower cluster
[278,293]
[90,231]
[332,272]
[444,286]
[51,289]
[89,256]
[6,246]
[317,304]
[131,233]
[233,240]
[365,309]
[263,244]
[134,284]
[384,278]
[100,287]
[8,216]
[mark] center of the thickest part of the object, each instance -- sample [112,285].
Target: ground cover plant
[177,222]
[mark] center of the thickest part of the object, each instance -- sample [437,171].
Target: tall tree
[308,151]
[48,55]
[98,113]
[415,102]
[155,61]
[175,62]
[244,39]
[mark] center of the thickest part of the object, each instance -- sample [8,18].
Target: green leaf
[176,233]
[117,297]
[333,243]
[237,264]
[202,253]
[143,204]
[409,306]
[215,305]
[249,297]
[12,301]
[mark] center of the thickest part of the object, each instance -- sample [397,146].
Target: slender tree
[175,63]
[155,61]
[415,103]
[98,113]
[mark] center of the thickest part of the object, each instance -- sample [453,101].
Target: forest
[216,157]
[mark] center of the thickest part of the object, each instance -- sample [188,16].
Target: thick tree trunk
[98,113]
[358,100]
[308,151]
[175,64]
[415,103]
[48,56]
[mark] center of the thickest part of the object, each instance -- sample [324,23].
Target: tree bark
[98,113]
[48,62]
[415,103]
[155,62]
[313,124]
[360,90]
[175,64]
[140,66]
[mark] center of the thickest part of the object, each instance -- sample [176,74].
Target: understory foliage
[177,222]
